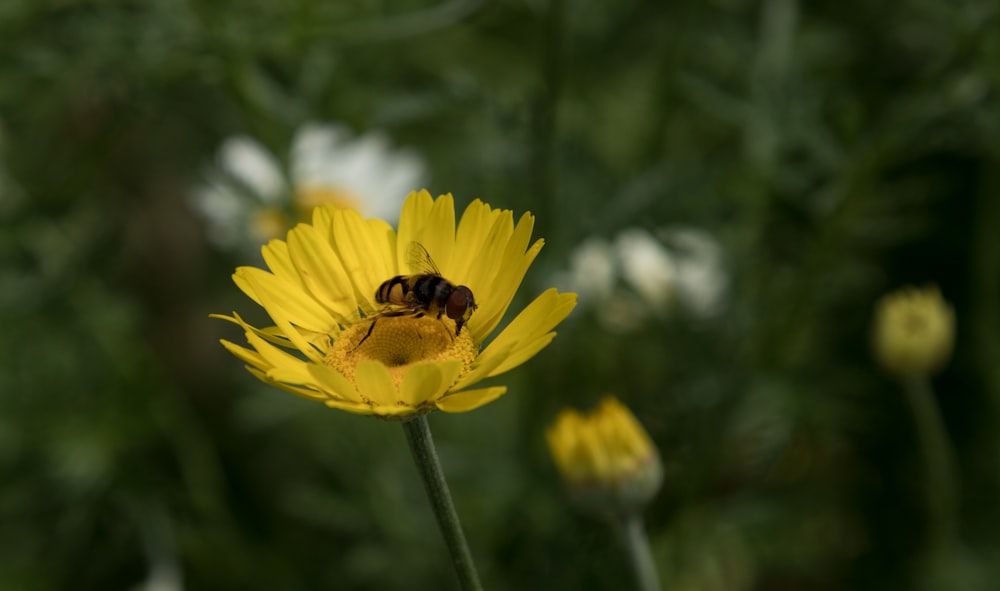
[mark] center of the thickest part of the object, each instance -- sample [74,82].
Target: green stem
[418,435]
[942,478]
[637,544]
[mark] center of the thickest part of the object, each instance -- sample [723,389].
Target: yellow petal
[291,368]
[515,261]
[470,399]
[266,355]
[333,382]
[428,381]
[483,367]
[375,384]
[524,352]
[482,272]
[277,259]
[321,272]
[437,233]
[296,305]
[416,208]
[355,241]
[534,322]
[473,229]
[275,366]
[360,409]
[322,220]
[303,392]
[481,243]
[520,238]
[275,308]
[383,249]
[509,247]
[245,355]
[239,278]
[274,336]
[505,285]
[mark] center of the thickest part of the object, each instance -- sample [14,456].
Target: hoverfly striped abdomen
[396,291]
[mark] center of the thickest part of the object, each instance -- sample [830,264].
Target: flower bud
[914,331]
[606,458]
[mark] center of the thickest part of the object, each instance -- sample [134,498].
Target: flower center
[915,324]
[268,223]
[398,342]
[308,198]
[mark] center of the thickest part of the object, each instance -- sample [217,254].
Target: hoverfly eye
[459,302]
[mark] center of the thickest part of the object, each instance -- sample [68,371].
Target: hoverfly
[425,292]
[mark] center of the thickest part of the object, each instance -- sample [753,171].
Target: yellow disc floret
[398,342]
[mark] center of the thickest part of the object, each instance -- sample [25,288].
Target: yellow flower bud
[606,458]
[914,331]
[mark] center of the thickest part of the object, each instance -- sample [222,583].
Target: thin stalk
[418,435]
[640,554]
[942,479]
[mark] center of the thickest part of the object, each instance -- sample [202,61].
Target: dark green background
[838,150]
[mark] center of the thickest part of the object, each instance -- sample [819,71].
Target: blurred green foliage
[837,150]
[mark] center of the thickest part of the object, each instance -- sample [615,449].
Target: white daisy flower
[702,280]
[638,276]
[593,270]
[253,196]
[647,267]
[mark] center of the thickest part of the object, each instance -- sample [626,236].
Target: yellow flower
[606,458]
[320,293]
[914,331]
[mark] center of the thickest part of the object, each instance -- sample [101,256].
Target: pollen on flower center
[399,342]
[306,198]
[269,223]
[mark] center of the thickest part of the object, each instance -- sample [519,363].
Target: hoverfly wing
[420,260]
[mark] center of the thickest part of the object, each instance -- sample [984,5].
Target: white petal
[365,168]
[249,163]
[593,270]
[314,150]
[225,211]
[701,277]
[647,267]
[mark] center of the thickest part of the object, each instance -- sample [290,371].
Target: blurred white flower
[638,276]
[252,196]
[156,532]
[162,578]
[647,267]
[702,280]
[593,270]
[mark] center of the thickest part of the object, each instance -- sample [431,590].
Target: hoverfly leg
[367,334]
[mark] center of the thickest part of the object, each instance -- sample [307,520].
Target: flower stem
[637,544]
[942,480]
[418,435]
